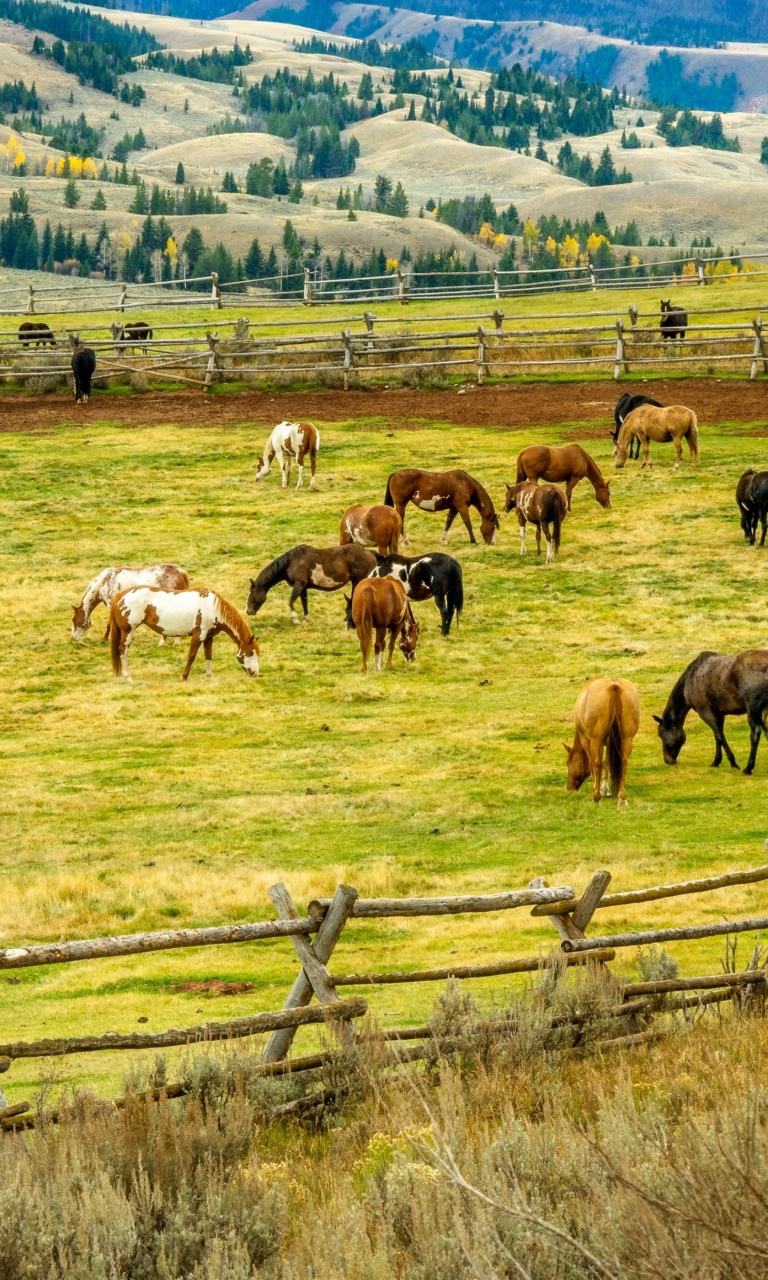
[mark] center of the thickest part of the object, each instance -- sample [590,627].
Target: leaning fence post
[498,319]
[121,300]
[700,268]
[347,340]
[621,353]
[307,288]
[216,303]
[369,318]
[213,341]
[634,315]
[481,364]
[496,288]
[300,994]
[31,302]
[759,349]
[592,274]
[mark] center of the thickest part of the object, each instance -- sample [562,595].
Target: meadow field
[160,804]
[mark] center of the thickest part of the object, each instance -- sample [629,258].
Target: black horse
[674,322]
[626,405]
[715,685]
[436,575]
[83,367]
[309,568]
[752,501]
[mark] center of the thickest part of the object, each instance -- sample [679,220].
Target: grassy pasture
[158,804]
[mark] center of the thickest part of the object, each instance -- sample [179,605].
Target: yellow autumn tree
[550,244]
[90,168]
[392,264]
[61,166]
[500,242]
[531,236]
[172,253]
[569,253]
[125,242]
[75,167]
[50,167]
[593,244]
[486,233]
[20,159]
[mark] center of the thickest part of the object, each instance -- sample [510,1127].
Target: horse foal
[542,505]
[607,717]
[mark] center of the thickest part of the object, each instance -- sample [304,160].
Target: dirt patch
[511,407]
[212,987]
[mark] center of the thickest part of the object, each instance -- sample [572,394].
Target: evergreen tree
[71,194]
[280,182]
[46,246]
[59,244]
[412,110]
[229,183]
[254,262]
[365,92]
[98,201]
[180,177]
[398,203]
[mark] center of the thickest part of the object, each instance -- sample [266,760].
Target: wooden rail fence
[567,914]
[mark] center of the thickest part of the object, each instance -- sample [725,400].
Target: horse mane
[593,471]
[232,619]
[626,432]
[277,569]
[484,504]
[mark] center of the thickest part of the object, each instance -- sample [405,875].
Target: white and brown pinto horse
[199,614]
[377,526]
[451,491]
[291,440]
[107,584]
[381,605]
[541,505]
[607,718]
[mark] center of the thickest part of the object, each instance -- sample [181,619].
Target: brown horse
[451,491]
[569,463]
[542,505]
[677,423]
[381,604]
[607,718]
[306,568]
[378,527]
[716,685]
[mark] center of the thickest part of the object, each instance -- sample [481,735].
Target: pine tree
[71,194]
[365,92]
[180,177]
[412,110]
[46,246]
[98,201]
[398,203]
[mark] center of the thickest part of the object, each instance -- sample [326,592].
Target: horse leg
[595,757]
[464,513]
[569,488]
[298,591]
[522,522]
[266,463]
[445,614]
[763,517]
[550,544]
[755,729]
[194,645]
[716,720]
[378,648]
[538,540]
[305,604]
[678,454]
[626,751]
[451,517]
[312,466]
[208,651]
[394,632]
[125,643]
[300,466]
[400,509]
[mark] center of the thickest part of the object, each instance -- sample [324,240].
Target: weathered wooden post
[242,329]
[759,349]
[700,268]
[31,301]
[633,315]
[307,288]
[496,288]
[313,970]
[346,338]
[498,319]
[122,299]
[213,359]
[621,354]
[481,364]
[402,287]
[592,275]
[216,303]
[369,318]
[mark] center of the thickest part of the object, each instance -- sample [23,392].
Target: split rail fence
[314,937]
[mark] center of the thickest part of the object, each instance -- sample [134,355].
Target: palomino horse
[436,575]
[378,526]
[199,614]
[451,491]
[107,584]
[607,718]
[307,568]
[625,405]
[558,463]
[542,505]
[381,605]
[675,423]
[291,440]
[752,501]
[715,685]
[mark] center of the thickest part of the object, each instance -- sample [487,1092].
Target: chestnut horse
[676,423]
[378,526]
[291,440]
[106,585]
[558,463]
[199,614]
[381,605]
[607,718]
[716,685]
[542,505]
[307,568]
[451,491]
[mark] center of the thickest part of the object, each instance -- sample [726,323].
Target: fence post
[634,315]
[592,275]
[31,302]
[216,303]
[498,320]
[496,289]
[347,340]
[481,364]
[121,300]
[307,288]
[369,318]
[402,288]
[300,994]
[242,329]
[759,350]
[213,341]
[700,268]
[621,353]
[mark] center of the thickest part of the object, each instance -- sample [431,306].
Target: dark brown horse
[451,491]
[376,526]
[542,505]
[752,501]
[567,463]
[309,569]
[381,605]
[716,685]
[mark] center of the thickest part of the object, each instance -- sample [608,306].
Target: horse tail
[557,523]
[388,499]
[455,592]
[693,437]
[396,535]
[115,636]
[365,625]
[613,752]
[521,476]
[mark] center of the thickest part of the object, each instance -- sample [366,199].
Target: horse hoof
[623,804]
[296,622]
[747,770]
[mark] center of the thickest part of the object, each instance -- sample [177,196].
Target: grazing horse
[676,423]
[752,501]
[107,584]
[436,575]
[716,685]
[291,440]
[36,331]
[451,491]
[83,369]
[607,718]
[199,614]
[378,526]
[673,323]
[542,505]
[307,568]
[626,404]
[567,462]
[136,335]
[381,605]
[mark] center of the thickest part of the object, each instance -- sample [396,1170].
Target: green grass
[127,808]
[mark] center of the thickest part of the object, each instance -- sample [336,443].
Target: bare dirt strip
[511,407]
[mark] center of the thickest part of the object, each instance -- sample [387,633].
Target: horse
[673,323]
[200,614]
[542,505]
[752,501]
[307,568]
[136,335]
[451,491]
[676,423]
[291,440]
[436,575]
[716,685]
[567,462]
[607,718]
[377,526]
[626,405]
[381,604]
[36,331]
[107,584]
[83,368]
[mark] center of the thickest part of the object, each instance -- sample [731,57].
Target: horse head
[672,739]
[666,306]
[619,453]
[409,637]
[248,656]
[578,767]
[256,597]
[489,527]
[603,494]
[80,623]
[510,501]
[348,609]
